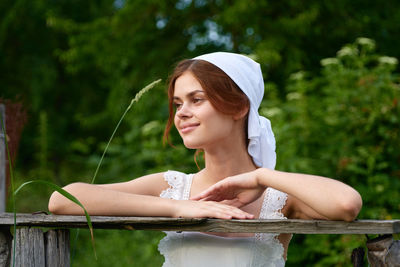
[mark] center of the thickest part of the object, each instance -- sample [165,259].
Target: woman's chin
[192,145]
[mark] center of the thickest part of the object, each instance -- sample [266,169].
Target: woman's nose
[184,111]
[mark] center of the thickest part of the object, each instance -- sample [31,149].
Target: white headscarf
[246,73]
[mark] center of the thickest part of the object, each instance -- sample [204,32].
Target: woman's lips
[188,128]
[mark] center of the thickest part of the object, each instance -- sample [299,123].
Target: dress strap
[187,186]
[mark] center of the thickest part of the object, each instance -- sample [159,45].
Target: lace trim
[176,181]
[171,242]
[187,187]
[272,206]
[180,185]
[273,203]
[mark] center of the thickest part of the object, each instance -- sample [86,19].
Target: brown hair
[223,93]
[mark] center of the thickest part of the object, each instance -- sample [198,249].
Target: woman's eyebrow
[190,94]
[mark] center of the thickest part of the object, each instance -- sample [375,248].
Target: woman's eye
[177,105]
[196,100]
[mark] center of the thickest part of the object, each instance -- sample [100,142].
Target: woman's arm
[136,198]
[310,196]
[91,195]
[99,200]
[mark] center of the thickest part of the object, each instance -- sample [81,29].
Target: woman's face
[198,122]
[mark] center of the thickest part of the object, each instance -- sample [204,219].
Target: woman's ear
[241,114]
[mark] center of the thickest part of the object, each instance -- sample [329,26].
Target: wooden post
[29,247]
[57,248]
[5,246]
[2,160]
[33,248]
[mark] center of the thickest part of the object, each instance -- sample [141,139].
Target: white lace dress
[189,249]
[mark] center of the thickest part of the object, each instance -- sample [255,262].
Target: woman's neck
[223,163]
[227,157]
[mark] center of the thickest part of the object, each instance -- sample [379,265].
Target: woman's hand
[208,209]
[238,190]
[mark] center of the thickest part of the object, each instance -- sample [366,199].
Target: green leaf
[67,195]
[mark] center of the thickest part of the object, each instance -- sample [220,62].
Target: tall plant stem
[136,99]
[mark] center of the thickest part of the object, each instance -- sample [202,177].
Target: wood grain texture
[207,225]
[36,239]
[34,248]
[51,250]
[5,246]
[57,248]
[29,251]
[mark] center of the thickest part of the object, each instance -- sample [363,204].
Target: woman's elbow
[53,205]
[58,204]
[351,207]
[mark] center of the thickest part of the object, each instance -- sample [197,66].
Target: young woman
[213,103]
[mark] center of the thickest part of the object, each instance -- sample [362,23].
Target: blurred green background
[69,68]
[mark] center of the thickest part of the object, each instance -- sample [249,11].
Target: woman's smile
[188,127]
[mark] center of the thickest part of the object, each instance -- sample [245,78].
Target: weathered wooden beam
[207,225]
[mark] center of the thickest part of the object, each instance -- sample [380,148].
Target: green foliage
[343,123]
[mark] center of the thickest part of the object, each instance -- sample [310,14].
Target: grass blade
[65,194]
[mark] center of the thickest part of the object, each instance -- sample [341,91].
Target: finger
[197,197]
[203,194]
[217,212]
[216,208]
[210,198]
[214,190]
[231,211]
[242,215]
[211,209]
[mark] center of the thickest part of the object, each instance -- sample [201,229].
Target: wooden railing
[51,248]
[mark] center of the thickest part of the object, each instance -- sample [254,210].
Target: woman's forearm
[330,198]
[101,201]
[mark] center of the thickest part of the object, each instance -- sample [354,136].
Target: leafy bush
[343,123]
